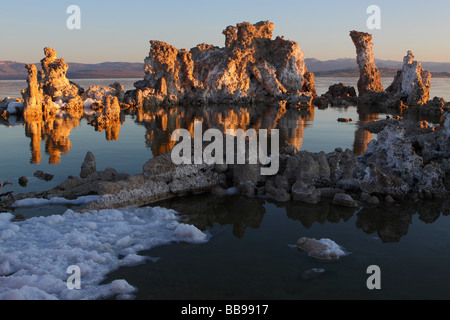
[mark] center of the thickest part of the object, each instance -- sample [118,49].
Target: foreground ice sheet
[35,254]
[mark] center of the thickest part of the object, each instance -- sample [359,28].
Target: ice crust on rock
[324,249]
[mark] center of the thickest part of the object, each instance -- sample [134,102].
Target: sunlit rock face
[53,77]
[250,68]
[49,89]
[369,80]
[32,95]
[412,81]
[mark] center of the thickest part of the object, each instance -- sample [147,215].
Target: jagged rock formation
[250,68]
[369,80]
[95,96]
[53,78]
[412,82]
[409,92]
[50,90]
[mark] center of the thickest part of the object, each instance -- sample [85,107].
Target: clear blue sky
[121,30]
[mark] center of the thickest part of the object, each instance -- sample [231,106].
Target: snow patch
[88,103]
[231,191]
[34,202]
[35,253]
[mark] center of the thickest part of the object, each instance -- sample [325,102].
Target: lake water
[250,253]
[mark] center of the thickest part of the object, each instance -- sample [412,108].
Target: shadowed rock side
[250,68]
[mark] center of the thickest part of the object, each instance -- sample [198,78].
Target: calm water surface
[249,255]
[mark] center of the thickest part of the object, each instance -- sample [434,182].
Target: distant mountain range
[344,67]
[347,67]
[11,70]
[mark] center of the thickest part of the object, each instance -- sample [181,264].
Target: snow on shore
[35,254]
[34,202]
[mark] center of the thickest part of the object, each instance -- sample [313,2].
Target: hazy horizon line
[141,62]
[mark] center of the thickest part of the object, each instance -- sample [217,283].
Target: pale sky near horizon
[121,30]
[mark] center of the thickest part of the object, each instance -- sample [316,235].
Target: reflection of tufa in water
[224,148]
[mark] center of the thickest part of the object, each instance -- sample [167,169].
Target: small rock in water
[389,199]
[342,199]
[89,165]
[313,273]
[345,120]
[364,196]
[19,217]
[23,181]
[43,176]
[323,249]
[218,191]
[373,200]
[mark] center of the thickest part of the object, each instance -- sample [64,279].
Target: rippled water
[249,255]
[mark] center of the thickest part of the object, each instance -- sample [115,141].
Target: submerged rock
[313,273]
[324,249]
[43,176]
[23,181]
[345,200]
